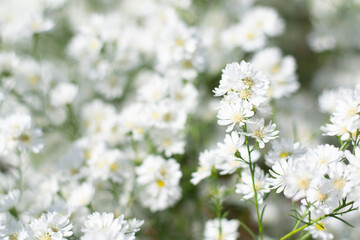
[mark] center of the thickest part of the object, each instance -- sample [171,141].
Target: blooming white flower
[234,114]
[104,226]
[283,149]
[63,94]
[319,231]
[279,70]
[207,161]
[244,82]
[229,229]
[324,156]
[18,132]
[302,177]
[246,189]
[260,132]
[12,229]
[160,181]
[51,225]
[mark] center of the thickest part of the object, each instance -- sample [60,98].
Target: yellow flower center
[303,183]
[284,154]
[245,93]
[321,197]
[114,167]
[25,138]
[166,142]
[259,133]
[238,117]
[45,236]
[13,236]
[248,82]
[160,183]
[339,183]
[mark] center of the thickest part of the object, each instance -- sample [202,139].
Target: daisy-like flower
[207,161]
[232,114]
[229,164]
[322,197]
[243,79]
[231,144]
[169,141]
[324,155]
[51,225]
[245,187]
[63,94]
[18,132]
[319,231]
[260,132]
[229,229]
[283,149]
[302,177]
[266,20]
[280,71]
[279,172]
[12,229]
[159,179]
[104,226]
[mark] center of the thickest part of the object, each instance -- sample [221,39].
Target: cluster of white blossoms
[244,91]
[32,18]
[160,180]
[345,120]
[253,29]
[55,225]
[105,106]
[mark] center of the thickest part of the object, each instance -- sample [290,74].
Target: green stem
[36,53]
[252,171]
[302,228]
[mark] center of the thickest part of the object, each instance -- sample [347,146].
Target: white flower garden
[179,119]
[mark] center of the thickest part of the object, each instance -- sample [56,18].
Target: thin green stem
[252,172]
[301,228]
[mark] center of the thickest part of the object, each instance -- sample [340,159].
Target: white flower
[302,177]
[81,195]
[264,19]
[279,172]
[105,227]
[160,181]
[168,141]
[229,229]
[234,114]
[244,82]
[283,149]
[280,71]
[51,225]
[260,132]
[231,144]
[18,132]
[319,231]
[12,229]
[63,94]
[323,156]
[207,161]
[246,189]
